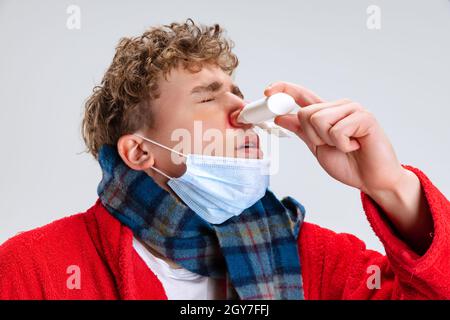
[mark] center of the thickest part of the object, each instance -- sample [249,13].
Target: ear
[135,153]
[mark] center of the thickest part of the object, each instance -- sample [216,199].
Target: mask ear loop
[162,146]
[160,172]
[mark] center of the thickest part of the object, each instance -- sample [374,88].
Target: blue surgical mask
[219,188]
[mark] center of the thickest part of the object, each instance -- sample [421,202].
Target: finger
[302,96]
[345,133]
[324,119]
[308,111]
[305,114]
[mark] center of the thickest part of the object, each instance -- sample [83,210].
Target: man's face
[195,113]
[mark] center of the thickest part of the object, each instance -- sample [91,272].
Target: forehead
[180,79]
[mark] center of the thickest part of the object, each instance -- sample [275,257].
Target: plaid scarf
[256,251]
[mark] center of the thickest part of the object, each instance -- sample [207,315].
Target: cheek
[216,123]
[208,131]
[213,118]
[205,126]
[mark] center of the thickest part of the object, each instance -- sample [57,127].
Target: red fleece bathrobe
[38,264]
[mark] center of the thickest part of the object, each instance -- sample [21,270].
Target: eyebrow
[216,86]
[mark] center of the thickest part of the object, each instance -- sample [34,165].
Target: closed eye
[207,100]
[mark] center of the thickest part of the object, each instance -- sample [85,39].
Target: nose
[234,107]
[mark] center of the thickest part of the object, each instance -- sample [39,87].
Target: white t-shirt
[180,283]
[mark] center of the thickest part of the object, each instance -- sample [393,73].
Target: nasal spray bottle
[262,112]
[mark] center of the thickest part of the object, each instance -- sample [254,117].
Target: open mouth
[250,142]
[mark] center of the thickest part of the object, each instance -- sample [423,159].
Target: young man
[202,224]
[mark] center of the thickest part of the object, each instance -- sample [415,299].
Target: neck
[155,252]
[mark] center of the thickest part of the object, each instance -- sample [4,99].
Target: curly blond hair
[121,104]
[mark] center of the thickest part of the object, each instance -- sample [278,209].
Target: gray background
[400,73]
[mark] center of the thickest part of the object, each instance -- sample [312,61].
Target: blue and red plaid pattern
[256,251]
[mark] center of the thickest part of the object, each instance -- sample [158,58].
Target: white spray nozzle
[263,111]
